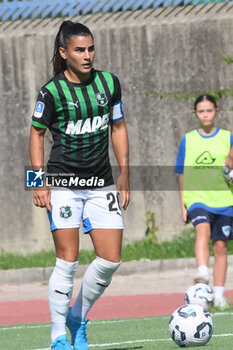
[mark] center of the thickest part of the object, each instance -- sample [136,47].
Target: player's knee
[220,247]
[96,279]
[101,271]
[106,269]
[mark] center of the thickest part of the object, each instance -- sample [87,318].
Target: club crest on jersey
[65,212]
[101,99]
[226,230]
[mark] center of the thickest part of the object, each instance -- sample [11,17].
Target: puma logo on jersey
[74,104]
[43,93]
[88,125]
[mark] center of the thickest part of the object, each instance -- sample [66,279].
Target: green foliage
[228,60]
[17,261]
[181,246]
[217,94]
[151,228]
[86,256]
[40,259]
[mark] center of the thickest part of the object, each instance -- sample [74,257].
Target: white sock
[57,330]
[203,270]
[78,310]
[95,280]
[219,291]
[60,293]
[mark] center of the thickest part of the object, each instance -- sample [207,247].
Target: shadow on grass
[134,348]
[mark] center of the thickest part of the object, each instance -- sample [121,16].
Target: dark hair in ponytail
[66,30]
[205,98]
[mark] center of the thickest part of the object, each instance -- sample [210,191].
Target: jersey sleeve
[117,112]
[179,168]
[231,141]
[44,109]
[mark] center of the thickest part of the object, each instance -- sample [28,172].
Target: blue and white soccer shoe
[77,329]
[61,343]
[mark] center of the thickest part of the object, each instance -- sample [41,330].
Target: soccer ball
[200,294]
[191,325]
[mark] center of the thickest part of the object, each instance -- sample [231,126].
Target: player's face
[206,112]
[79,55]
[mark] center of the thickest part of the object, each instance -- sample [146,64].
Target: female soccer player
[79,105]
[206,198]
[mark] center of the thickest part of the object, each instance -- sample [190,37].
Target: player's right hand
[185,215]
[41,198]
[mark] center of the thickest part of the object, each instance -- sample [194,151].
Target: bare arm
[41,197]
[121,149]
[183,207]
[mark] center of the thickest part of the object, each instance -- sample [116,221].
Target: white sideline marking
[9,328]
[90,322]
[119,343]
[139,341]
[129,342]
[104,322]
[222,314]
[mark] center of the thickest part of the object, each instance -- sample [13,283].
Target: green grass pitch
[124,334]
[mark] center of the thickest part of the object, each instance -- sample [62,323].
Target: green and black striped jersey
[79,116]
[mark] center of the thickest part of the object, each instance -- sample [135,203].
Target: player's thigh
[102,218]
[107,243]
[65,218]
[202,222]
[66,243]
[66,209]
[222,228]
[203,232]
[221,234]
[102,210]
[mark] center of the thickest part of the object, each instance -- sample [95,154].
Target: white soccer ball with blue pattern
[200,294]
[191,325]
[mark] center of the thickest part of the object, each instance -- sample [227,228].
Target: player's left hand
[122,185]
[227,173]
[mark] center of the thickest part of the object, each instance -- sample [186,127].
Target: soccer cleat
[77,329]
[61,343]
[200,278]
[220,302]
